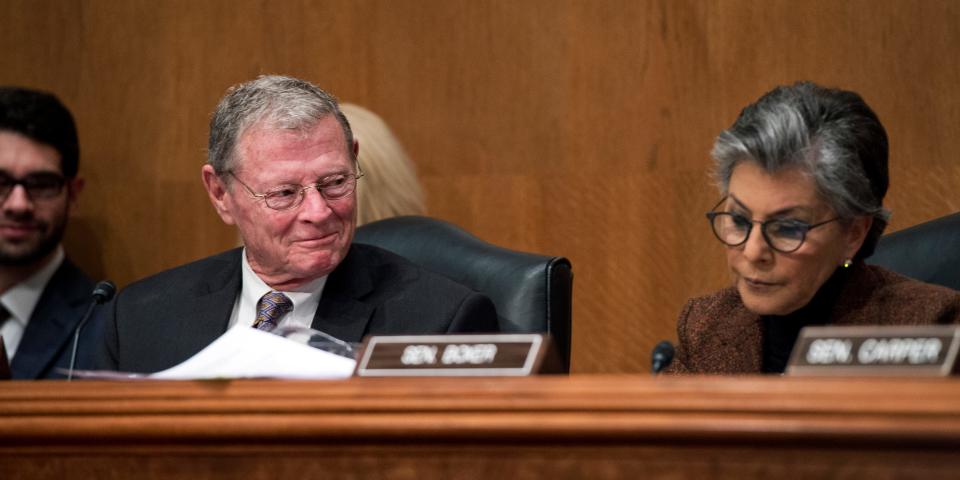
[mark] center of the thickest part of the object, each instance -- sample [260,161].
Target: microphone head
[104,291]
[662,355]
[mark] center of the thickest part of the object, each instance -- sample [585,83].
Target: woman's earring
[847,263]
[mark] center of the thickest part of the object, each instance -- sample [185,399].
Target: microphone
[662,356]
[102,293]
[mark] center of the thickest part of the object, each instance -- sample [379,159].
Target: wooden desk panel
[557,427]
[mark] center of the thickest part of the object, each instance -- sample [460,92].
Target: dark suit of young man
[47,342]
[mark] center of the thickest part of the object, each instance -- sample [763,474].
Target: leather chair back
[929,252]
[532,293]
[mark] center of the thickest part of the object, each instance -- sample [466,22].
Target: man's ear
[218,192]
[857,233]
[74,187]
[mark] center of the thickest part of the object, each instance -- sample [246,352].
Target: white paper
[244,352]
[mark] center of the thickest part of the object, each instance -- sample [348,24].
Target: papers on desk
[244,352]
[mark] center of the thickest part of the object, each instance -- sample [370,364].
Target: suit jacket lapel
[208,315]
[745,340]
[735,347]
[742,340]
[196,305]
[58,311]
[341,312]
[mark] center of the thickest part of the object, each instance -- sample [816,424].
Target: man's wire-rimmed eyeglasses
[287,196]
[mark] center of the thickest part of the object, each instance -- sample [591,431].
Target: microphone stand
[102,293]
[76,338]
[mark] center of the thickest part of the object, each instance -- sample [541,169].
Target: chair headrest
[512,279]
[928,252]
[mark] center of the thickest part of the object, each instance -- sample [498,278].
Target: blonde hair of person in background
[389,186]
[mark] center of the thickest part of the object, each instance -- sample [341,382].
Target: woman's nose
[756,249]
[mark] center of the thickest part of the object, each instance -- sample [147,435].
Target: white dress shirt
[305,299]
[21,300]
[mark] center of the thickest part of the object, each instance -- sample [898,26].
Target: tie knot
[270,308]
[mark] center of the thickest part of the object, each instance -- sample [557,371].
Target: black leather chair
[929,251]
[532,293]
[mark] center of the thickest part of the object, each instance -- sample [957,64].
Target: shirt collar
[305,299]
[21,300]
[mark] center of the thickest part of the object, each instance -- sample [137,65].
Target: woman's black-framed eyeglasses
[783,235]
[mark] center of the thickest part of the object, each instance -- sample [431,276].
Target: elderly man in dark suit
[42,294]
[282,167]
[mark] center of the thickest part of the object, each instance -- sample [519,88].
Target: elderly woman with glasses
[802,173]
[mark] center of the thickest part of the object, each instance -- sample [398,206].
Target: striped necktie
[270,308]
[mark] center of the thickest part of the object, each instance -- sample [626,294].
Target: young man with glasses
[42,294]
[282,168]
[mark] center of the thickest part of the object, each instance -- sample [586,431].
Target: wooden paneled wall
[576,128]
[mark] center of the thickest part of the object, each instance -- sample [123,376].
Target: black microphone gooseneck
[662,356]
[102,293]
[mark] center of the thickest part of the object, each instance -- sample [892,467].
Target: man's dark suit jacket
[48,340]
[161,321]
[717,334]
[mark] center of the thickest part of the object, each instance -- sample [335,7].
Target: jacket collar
[740,342]
[341,311]
[58,311]
[205,317]
[742,337]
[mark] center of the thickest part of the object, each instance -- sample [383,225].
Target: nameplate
[513,354]
[921,350]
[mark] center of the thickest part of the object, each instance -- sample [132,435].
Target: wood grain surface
[575,128]
[586,426]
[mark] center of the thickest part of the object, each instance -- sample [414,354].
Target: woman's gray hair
[831,135]
[270,101]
